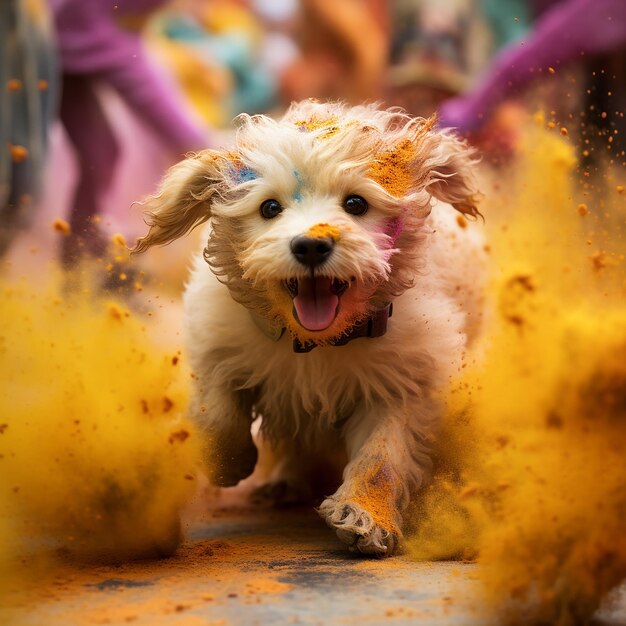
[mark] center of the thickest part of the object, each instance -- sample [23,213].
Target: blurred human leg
[97,153]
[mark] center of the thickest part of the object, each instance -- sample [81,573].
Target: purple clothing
[561,34]
[91,43]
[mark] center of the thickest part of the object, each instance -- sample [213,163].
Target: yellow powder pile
[95,456]
[532,476]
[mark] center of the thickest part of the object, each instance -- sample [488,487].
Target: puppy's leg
[225,417]
[388,460]
[300,472]
[285,483]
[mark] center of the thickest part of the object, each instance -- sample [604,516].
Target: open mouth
[315,300]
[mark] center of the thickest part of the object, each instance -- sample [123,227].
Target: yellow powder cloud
[532,475]
[95,454]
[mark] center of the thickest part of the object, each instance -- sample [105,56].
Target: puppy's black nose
[311,251]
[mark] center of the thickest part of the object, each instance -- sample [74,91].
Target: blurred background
[99,97]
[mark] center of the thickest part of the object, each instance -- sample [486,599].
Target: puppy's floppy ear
[183,199]
[452,177]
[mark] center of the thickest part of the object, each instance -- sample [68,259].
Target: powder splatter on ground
[92,460]
[243,565]
[533,469]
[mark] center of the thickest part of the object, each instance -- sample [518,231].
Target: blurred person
[96,49]
[28,89]
[438,33]
[437,46]
[279,49]
[344,51]
[213,48]
[564,31]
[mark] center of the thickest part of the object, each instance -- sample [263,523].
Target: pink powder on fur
[394,228]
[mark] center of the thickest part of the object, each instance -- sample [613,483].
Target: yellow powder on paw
[375,494]
[392,169]
[322,231]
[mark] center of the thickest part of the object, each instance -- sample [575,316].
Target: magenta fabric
[564,32]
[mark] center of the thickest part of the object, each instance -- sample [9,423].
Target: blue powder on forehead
[243,174]
[297,194]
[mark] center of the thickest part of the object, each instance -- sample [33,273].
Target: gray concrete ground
[247,566]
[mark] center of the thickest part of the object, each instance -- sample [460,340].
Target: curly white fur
[373,394]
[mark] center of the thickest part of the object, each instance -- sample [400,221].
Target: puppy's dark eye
[355,205]
[270,209]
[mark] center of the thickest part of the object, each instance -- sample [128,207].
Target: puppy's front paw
[356,527]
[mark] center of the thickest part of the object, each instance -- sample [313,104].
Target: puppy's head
[316,219]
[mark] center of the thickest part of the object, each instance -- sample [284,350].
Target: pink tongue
[315,304]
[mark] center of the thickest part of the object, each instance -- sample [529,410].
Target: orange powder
[375,495]
[61,226]
[314,123]
[392,169]
[231,155]
[322,231]
[18,153]
[119,240]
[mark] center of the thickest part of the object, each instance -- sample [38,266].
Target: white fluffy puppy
[318,224]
